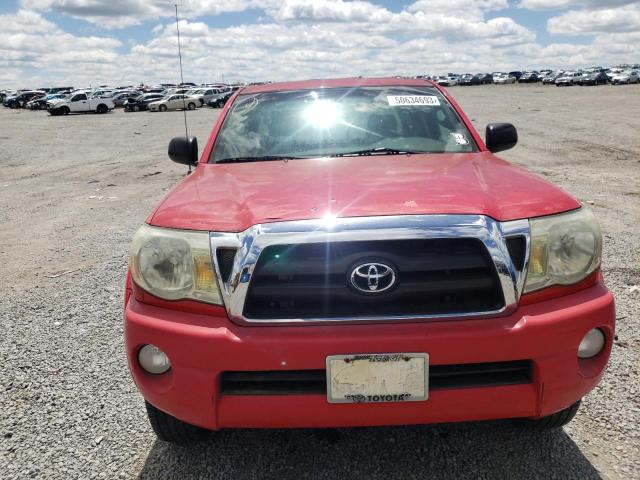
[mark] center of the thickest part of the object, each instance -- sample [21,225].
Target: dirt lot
[74,189]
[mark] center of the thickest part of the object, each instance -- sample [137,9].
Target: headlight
[565,249]
[174,264]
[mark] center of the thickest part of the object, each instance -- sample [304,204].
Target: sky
[79,43]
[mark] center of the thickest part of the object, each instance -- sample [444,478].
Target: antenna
[184,104]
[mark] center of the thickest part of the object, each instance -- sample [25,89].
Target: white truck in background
[80,102]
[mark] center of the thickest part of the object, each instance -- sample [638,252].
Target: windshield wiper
[375,151]
[265,158]
[369,151]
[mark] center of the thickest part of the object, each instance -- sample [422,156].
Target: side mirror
[500,136]
[184,150]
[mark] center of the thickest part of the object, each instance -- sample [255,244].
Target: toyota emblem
[372,277]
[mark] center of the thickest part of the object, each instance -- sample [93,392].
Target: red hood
[233,197]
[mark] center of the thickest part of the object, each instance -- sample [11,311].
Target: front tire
[191,106]
[170,429]
[553,421]
[162,108]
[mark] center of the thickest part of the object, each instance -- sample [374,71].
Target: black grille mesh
[225,258]
[435,277]
[517,250]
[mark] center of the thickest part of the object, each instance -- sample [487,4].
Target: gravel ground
[74,189]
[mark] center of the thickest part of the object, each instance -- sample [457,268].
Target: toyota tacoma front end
[351,253]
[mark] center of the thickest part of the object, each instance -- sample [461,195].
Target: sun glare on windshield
[322,114]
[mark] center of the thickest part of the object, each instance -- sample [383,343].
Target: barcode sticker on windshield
[427,100]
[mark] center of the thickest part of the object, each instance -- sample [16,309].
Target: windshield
[338,121]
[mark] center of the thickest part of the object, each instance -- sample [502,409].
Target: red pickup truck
[350,252]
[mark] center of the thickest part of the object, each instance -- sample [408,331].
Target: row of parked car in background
[189,96]
[160,98]
[622,74]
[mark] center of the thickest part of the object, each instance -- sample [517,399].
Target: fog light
[592,344]
[153,360]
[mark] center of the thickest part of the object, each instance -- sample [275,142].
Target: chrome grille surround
[251,242]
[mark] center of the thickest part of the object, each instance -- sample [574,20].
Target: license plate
[385,377]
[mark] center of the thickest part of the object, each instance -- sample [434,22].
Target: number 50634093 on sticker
[427,100]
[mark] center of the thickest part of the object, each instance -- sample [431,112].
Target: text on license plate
[386,377]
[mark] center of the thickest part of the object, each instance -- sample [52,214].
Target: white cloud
[587,21]
[562,4]
[336,10]
[297,50]
[32,48]
[295,39]
[25,20]
[124,13]
[459,8]
[108,14]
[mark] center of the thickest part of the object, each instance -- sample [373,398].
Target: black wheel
[136,108]
[162,108]
[555,420]
[65,111]
[170,429]
[191,106]
[102,108]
